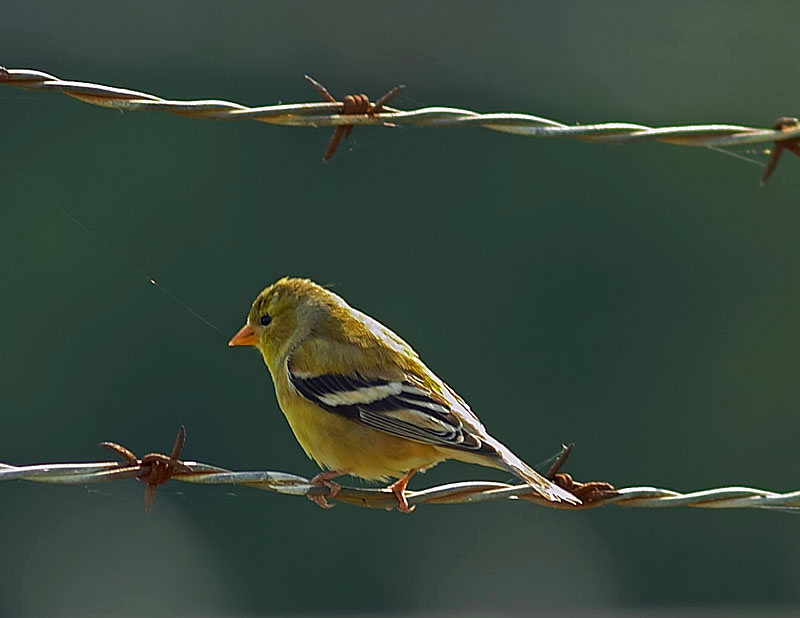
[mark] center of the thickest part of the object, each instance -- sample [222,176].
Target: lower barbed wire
[466,492]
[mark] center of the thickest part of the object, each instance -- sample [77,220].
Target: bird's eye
[265,319]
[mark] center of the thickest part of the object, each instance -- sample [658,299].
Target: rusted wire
[155,469]
[358,110]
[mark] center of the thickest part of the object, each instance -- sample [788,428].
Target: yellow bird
[359,399]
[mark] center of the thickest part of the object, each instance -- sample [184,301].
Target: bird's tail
[507,460]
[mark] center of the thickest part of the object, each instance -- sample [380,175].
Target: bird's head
[282,315]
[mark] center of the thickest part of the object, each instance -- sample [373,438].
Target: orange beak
[245,336]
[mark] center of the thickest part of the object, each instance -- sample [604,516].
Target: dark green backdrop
[641,301]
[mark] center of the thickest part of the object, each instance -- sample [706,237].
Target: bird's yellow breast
[337,443]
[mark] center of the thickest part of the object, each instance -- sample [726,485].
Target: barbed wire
[358,110]
[156,469]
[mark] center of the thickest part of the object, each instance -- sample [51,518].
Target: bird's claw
[320,501]
[324,479]
[402,504]
[398,489]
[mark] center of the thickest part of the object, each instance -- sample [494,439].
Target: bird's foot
[324,479]
[398,488]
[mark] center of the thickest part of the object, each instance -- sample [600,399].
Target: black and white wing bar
[395,407]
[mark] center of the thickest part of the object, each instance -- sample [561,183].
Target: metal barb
[154,468]
[351,104]
[561,459]
[792,145]
[591,491]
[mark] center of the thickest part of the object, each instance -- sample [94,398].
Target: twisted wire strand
[453,493]
[331,114]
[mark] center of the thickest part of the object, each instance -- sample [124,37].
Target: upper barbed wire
[336,113]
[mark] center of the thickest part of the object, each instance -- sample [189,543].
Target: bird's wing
[406,401]
[400,406]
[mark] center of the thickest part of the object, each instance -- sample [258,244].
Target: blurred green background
[641,301]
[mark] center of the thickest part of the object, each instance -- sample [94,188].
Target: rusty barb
[155,469]
[351,104]
[792,145]
[588,493]
[359,110]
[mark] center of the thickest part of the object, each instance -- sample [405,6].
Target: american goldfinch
[359,399]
